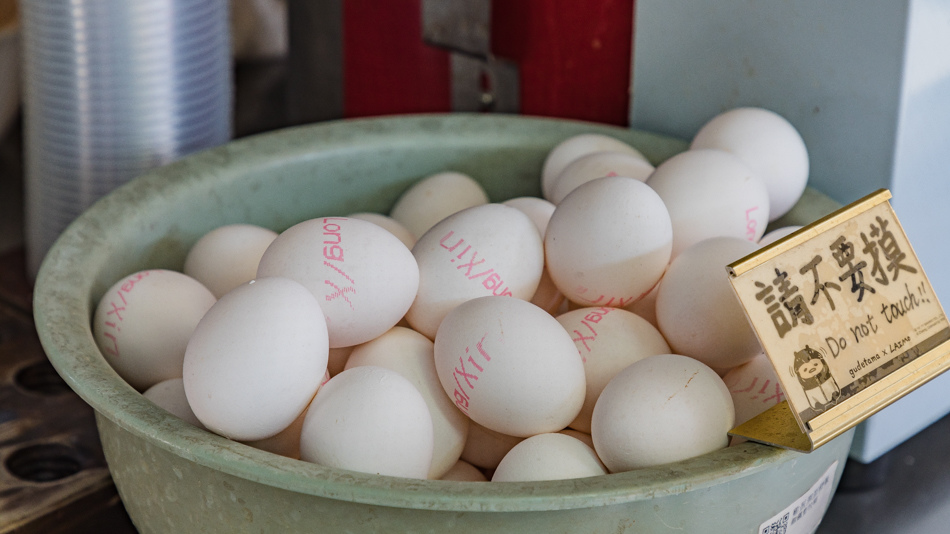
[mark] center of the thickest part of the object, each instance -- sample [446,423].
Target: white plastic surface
[866,84]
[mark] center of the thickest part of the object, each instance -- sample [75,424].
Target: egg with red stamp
[364,277]
[485,250]
[711,193]
[510,366]
[142,324]
[755,388]
[608,340]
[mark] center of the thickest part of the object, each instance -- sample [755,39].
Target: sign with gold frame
[848,319]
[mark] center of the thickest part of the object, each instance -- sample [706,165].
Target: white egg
[284,443]
[711,193]
[143,322]
[170,396]
[509,366]
[697,310]
[608,340]
[537,209]
[287,441]
[754,387]
[577,434]
[411,354]
[599,165]
[661,409]
[485,250]
[369,419]
[434,198]
[548,457]
[769,144]
[646,307]
[485,448]
[574,147]
[256,359]
[363,276]
[608,242]
[388,223]
[227,256]
[547,297]
[463,471]
[777,234]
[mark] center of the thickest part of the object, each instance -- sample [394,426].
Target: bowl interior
[278,179]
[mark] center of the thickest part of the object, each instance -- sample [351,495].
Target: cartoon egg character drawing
[814,375]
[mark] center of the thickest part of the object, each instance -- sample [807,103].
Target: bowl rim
[63,311]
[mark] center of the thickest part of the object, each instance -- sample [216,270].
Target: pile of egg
[386,344]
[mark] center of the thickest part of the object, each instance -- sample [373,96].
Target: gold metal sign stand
[848,319]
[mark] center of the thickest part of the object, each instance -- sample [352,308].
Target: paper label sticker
[842,310]
[803,515]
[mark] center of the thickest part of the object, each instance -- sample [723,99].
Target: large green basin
[175,478]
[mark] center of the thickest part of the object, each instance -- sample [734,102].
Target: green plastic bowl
[175,478]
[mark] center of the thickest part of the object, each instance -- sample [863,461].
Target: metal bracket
[489,84]
[480,81]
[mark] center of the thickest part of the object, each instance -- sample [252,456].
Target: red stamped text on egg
[750,224]
[466,373]
[474,267]
[768,392]
[604,300]
[342,284]
[586,333]
[113,321]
